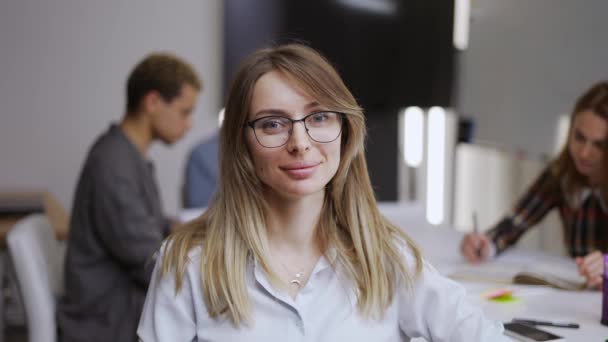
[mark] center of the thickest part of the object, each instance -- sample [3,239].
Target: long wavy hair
[595,99]
[369,248]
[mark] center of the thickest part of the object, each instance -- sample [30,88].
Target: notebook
[564,276]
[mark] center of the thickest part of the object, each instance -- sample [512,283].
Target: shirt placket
[295,322]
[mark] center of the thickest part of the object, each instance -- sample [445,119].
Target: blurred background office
[61,62]
[506,70]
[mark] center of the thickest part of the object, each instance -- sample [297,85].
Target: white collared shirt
[325,309]
[577,199]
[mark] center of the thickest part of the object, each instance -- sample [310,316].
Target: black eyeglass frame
[251,124]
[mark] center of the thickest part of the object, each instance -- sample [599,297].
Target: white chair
[38,259]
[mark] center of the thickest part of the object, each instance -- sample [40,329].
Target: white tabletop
[440,246]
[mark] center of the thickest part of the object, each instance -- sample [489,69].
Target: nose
[299,140]
[586,150]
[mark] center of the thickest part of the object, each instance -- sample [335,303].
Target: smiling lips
[300,170]
[584,165]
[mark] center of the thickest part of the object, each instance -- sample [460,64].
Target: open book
[561,276]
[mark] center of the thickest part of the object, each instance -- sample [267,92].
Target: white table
[440,246]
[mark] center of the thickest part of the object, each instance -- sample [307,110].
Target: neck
[137,129]
[292,224]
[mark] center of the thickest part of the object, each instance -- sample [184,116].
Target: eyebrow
[600,141]
[273,111]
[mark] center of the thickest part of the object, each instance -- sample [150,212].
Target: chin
[169,141]
[584,171]
[297,192]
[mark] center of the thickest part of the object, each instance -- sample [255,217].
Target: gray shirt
[116,227]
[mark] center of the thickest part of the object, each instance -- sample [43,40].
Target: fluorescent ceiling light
[384,7]
[220,118]
[413,142]
[435,180]
[563,128]
[462,14]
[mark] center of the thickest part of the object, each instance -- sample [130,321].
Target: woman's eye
[272,124]
[600,145]
[318,117]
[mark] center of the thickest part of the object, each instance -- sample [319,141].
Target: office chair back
[38,260]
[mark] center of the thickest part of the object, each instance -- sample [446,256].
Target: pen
[546,323]
[476,232]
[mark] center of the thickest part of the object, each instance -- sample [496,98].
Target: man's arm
[131,234]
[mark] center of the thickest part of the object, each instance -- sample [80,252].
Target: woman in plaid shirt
[575,184]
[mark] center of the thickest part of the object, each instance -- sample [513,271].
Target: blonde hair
[369,248]
[595,99]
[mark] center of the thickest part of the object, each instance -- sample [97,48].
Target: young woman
[575,183]
[293,246]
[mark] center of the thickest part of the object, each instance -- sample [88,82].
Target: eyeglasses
[274,131]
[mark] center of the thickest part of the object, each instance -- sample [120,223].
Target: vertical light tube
[413,142]
[220,117]
[561,136]
[435,180]
[462,13]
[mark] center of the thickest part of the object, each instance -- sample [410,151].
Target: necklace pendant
[298,279]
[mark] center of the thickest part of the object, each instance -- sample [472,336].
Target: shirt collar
[324,261]
[257,272]
[581,196]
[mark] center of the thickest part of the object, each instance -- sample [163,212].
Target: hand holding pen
[475,246]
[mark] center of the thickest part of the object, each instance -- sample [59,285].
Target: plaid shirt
[584,217]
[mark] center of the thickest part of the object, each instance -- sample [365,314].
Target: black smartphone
[529,333]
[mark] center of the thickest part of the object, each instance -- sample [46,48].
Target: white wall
[527,62]
[63,66]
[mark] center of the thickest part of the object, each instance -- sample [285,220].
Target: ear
[151,101]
